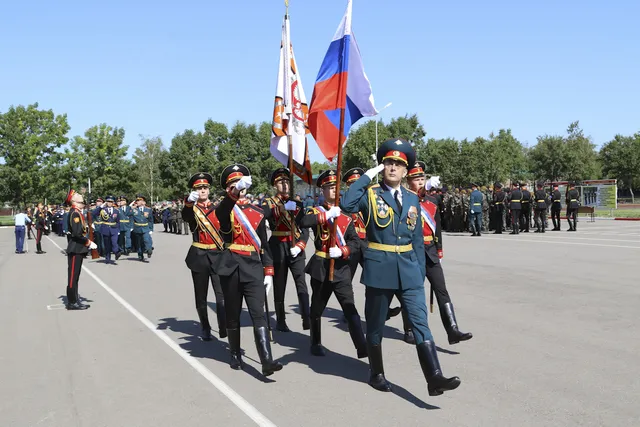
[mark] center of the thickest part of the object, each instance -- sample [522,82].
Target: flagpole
[289,136]
[338,182]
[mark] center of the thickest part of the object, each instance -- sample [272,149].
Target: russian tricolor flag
[341,83]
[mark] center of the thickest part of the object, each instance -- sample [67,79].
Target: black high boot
[408,331]
[269,366]
[376,369]
[281,323]
[303,301]
[437,383]
[235,360]
[221,313]
[451,325]
[357,335]
[316,337]
[204,322]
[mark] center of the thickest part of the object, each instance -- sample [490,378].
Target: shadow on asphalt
[64,300]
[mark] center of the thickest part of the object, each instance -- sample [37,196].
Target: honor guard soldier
[323,219]
[498,203]
[246,268]
[525,213]
[540,213]
[515,204]
[287,244]
[142,228]
[394,262]
[556,207]
[109,228]
[357,256]
[207,245]
[40,220]
[126,224]
[77,248]
[432,236]
[97,226]
[572,201]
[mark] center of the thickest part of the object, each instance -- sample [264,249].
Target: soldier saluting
[287,244]
[394,261]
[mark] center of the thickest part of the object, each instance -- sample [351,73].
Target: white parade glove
[243,183]
[335,252]
[295,251]
[92,245]
[268,283]
[333,212]
[371,173]
[433,182]
[150,233]
[193,197]
[291,205]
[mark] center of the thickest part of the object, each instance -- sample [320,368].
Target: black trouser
[253,293]
[555,217]
[435,275]
[515,221]
[38,239]
[572,215]
[322,291]
[540,218]
[525,217]
[497,220]
[201,290]
[355,259]
[281,270]
[74,264]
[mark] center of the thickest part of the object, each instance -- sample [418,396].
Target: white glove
[335,252]
[243,183]
[150,233]
[295,251]
[268,283]
[371,173]
[333,212]
[92,245]
[433,182]
[193,197]
[291,205]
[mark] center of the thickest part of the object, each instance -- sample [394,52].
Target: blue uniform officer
[126,225]
[475,209]
[21,220]
[394,261]
[109,228]
[142,228]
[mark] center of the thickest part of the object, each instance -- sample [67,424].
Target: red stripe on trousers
[73,270]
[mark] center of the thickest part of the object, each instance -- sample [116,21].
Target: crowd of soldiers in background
[456,210]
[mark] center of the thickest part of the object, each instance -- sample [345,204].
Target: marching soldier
[97,226]
[572,202]
[287,245]
[126,218]
[432,237]
[246,268]
[110,228]
[142,228]
[540,213]
[357,256]
[525,213]
[498,204]
[207,245]
[323,219]
[77,248]
[40,220]
[515,204]
[394,261]
[556,207]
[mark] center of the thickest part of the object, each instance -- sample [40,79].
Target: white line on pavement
[238,400]
[519,239]
[571,237]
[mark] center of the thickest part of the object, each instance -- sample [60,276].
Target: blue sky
[467,68]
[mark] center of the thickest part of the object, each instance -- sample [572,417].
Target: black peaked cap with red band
[397,149]
[200,178]
[328,177]
[352,175]
[418,169]
[279,174]
[233,173]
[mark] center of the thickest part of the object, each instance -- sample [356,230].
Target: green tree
[190,152]
[409,128]
[582,158]
[504,158]
[361,145]
[620,159]
[547,158]
[29,138]
[441,158]
[148,158]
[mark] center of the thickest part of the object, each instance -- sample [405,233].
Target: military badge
[146,214]
[76,220]
[382,208]
[412,218]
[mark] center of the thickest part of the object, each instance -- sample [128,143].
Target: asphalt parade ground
[554,317]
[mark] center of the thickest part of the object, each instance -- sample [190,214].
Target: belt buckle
[397,249]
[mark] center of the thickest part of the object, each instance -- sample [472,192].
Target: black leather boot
[357,335]
[393,312]
[221,313]
[448,317]
[281,323]
[316,337]
[204,322]
[408,331]
[269,366]
[437,383]
[235,360]
[376,369]
[303,301]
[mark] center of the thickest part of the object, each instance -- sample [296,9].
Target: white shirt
[22,219]
[393,192]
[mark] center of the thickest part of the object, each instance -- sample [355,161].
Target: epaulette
[312,210]
[411,191]
[375,186]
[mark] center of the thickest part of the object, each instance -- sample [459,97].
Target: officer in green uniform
[142,228]
[394,261]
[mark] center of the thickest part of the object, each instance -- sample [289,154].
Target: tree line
[38,160]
